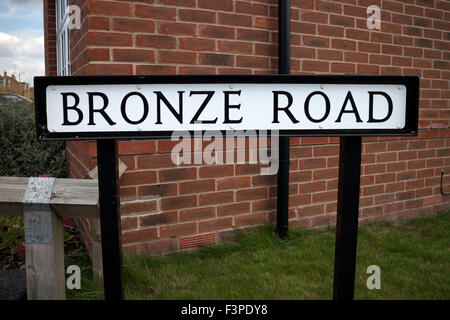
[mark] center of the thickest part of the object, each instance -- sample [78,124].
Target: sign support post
[110,218]
[284,67]
[347,217]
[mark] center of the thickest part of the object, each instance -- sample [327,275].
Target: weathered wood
[12,190]
[97,260]
[70,198]
[44,242]
[45,266]
[75,198]
[96,253]
[93,174]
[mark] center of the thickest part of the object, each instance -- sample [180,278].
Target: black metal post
[347,217]
[284,67]
[109,218]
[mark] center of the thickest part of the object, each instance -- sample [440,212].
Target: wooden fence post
[44,243]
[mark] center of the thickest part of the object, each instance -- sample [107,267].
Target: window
[62,38]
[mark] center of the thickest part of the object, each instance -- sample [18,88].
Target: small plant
[11,233]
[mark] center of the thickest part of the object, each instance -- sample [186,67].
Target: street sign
[155,106]
[108,108]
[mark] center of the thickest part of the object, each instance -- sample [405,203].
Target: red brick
[178,3]
[177,174]
[139,235]
[158,219]
[312,65]
[313,163]
[216,59]
[155,41]
[197,44]
[343,67]
[155,69]
[312,187]
[251,8]
[233,183]
[233,209]
[155,161]
[252,35]
[158,246]
[179,229]
[214,225]
[311,210]
[332,31]
[133,25]
[136,178]
[183,57]
[250,219]
[179,202]
[343,44]
[133,55]
[216,171]
[215,198]
[128,223]
[168,189]
[177,28]
[231,19]
[109,39]
[198,186]
[216,32]
[194,15]
[314,16]
[251,194]
[342,21]
[135,207]
[197,214]
[328,6]
[98,23]
[155,12]
[264,205]
[252,62]
[127,193]
[109,8]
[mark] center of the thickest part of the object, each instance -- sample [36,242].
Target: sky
[22,38]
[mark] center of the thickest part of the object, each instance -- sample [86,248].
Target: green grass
[413,256]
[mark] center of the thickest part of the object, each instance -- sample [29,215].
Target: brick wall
[166,208]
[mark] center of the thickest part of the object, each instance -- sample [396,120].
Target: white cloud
[26,8]
[26,71]
[24,55]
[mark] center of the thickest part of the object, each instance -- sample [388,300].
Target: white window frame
[62,37]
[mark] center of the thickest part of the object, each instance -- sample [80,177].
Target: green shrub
[20,153]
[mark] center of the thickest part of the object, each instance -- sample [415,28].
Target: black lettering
[276,107]
[389,100]
[354,110]
[178,115]
[101,110]
[327,106]
[228,106]
[209,95]
[123,107]
[66,108]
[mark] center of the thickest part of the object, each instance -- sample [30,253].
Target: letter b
[66,108]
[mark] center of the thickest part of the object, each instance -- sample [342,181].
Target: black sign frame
[411,83]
